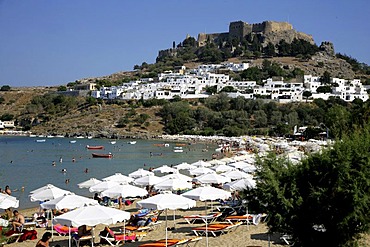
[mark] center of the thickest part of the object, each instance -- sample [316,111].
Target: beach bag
[128,202]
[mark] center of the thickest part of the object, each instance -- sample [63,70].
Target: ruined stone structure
[270,31]
[267,31]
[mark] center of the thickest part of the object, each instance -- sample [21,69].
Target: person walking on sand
[44,241]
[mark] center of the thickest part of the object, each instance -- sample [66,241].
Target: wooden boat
[94,147]
[108,155]
[159,144]
[180,144]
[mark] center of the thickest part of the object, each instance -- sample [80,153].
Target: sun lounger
[30,225]
[114,239]
[191,219]
[64,230]
[78,239]
[162,243]
[247,218]
[193,241]
[13,238]
[214,229]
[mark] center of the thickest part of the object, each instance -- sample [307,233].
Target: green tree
[228,89]
[7,117]
[326,78]
[211,89]
[62,88]
[252,74]
[338,120]
[324,89]
[306,94]
[260,118]
[5,88]
[322,202]
[270,50]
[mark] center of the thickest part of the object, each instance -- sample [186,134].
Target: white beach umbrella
[212,178]
[222,168]
[70,201]
[201,163]
[235,175]
[217,162]
[239,164]
[118,177]
[173,184]
[204,194]
[124,190]
[227,160]
[89,183]
[250,168]
[48,192]
[177,176]
[7,201]
[207,193]
[148,180]
[140,173]
[240,184]
[167,201]
[91,216]
[103,186]
[48,186]
[185,166]
[200,171]
[165,169]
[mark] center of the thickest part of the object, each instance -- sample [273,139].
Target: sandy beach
[243,236]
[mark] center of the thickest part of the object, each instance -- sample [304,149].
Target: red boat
[94,147]
[108,155]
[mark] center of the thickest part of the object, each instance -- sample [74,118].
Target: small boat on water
[94,147]
[32,135]
[59,136]
[40,140]
[132,142]
[113,142]
[178,149]
[180,144]
[49,136]
[89,137]
[108,155]
[73,141]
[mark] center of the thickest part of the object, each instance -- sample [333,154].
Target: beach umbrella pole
[69,236]
[166,228]
[174,219]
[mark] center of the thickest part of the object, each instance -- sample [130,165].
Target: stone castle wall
[239,29]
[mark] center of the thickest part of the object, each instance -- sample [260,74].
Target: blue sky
[53,42]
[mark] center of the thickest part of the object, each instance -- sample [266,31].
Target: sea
[26,164]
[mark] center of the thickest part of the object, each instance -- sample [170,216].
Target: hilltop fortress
[270,31]
[267,31]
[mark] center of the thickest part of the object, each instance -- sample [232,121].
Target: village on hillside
[193,84]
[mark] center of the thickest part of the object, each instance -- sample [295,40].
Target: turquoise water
[26,163]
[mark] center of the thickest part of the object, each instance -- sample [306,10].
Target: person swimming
[64,170]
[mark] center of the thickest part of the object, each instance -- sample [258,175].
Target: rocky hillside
[97,120]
